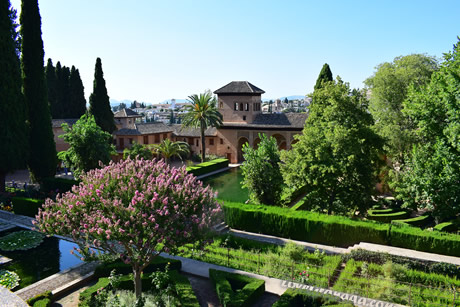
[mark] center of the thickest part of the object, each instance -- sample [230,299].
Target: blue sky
[157,50]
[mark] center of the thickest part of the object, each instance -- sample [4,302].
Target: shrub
[297,297]
[380,211]
[41,300]
[418,221]
[158,263]
[207,167]
[426,241]
[26,206]
[451,226]
[387,217]
[236,290]
[303,225]
[53,184]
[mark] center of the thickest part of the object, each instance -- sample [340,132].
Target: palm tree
[168,149]
[202,113]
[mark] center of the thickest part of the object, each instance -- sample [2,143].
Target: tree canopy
[388,88]
[42,158]
[89,145]
[325,75]
[202,113]
[430,178]
[99,101]
[13,108]
[336,154]
[138,151]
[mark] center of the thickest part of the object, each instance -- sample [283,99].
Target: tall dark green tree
[55,106]
[63,95]
[99,104]
[42,157]
[51,82]
[13,110]
[77,101]
[324,76]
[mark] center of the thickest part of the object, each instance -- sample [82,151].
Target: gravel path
[204,291]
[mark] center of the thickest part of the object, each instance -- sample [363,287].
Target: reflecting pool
[228,185]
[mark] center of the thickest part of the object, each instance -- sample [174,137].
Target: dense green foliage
[261,171]
[235,289]
[168,149]
[89,145]
[13,108]
[99,104]
[138,151]
[418,221]
[41,300]
[51,83]
[430,178]
[77,100]
[323,229]
[57,185]
[207,167]
[158,263]
[42,156]
[453,226]
[388,217]
[389,86]
[335,157]
[325,75]
[300,298]
[8,279]
[202,113]
[26,206]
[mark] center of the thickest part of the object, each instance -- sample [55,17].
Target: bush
[184,290]
[303,225]
[53,184]
[41,300]
[236,290]
[426,241]
[387,217]
[418,221]
[380,211]
[452,226]
[158,263]
[300,298]
[26,206]
[207,167]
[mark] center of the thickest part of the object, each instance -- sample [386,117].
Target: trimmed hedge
[158,263]
[380,211]
[303,225]
[249,289]
[61,185]
[387,217]
[451,226]
[418,221]
[41,300]
[427,241]
[335,230]
[26,206]
[300,298]
[184,290]
[207,167]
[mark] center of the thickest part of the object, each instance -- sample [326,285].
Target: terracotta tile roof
[284,121]
[192,132]
[146,128]
[239,87]
[57,123]
[126,113]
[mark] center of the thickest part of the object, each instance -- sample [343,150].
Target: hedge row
[303,225]
[249,289]
[158,263]
[380,211]
[418,221]
[60,185]
[335,230]
[207,167]
[387,217]
[300,298]
[26,206]
[451,226]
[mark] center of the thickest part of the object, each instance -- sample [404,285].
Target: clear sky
[157,50]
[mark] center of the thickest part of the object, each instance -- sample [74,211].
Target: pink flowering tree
[134,210]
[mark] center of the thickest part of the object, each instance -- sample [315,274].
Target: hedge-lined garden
[324,229]
[207,167]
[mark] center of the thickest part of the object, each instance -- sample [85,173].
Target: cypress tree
[99,104]
[42,159]
[324,76]
[13,110]
[51,82]
[62,76]
[77,99]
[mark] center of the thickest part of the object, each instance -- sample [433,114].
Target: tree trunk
[203,143]
[2,181]
[137,280]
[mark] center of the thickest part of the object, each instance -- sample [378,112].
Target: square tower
[239,102]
